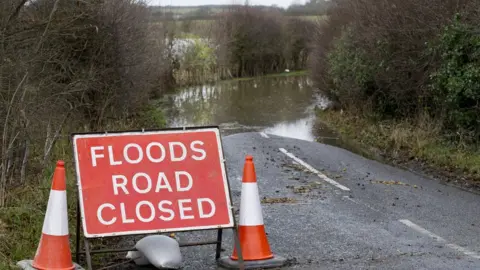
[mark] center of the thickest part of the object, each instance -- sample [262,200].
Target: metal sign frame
[88,252]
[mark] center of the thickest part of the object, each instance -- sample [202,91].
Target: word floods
[155,181]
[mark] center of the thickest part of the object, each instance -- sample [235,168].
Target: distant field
[209,20]
[310,17]
[180,23]
[179,10]
[183,10]
[192,28]
[203,27]
[207,11]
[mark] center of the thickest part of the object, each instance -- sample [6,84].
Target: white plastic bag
[137,257]
[160,250]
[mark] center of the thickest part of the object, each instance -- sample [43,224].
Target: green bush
[403,61]
[200,55]
[356,77]
[350,70]
[151,117]
[198,63]
[456,83]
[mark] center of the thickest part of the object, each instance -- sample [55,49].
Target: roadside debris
[306,188]
[390,183]
[279,200]
[295,167]
[398,183]
[300,189]
[316,184]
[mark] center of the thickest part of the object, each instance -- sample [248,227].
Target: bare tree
[69,66]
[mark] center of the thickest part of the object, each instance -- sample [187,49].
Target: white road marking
[263,134]
[439,239]
[315,171]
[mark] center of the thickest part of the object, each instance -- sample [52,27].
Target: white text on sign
[155,152]
[142,183]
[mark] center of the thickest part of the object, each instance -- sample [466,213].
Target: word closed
[156,181]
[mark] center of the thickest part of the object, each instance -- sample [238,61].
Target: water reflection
[277,105]
[299,129]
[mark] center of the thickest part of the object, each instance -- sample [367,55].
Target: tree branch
[14,14]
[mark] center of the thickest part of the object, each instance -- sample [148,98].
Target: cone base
[53,253]
[254,244]
[28,265]
[276,261]
[235,258]
[39,267]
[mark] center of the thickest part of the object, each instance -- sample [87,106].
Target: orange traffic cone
[53,251]
[254,244]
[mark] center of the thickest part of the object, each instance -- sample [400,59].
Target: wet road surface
[346,212]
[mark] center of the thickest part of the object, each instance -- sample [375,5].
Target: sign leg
[219,244]
[239,249]
[77,241]
[88,255]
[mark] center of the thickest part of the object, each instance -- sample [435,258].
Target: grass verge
[416,145]
[22,220]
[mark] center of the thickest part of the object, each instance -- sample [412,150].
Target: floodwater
[282,105]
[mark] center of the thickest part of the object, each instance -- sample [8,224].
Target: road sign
[153,181]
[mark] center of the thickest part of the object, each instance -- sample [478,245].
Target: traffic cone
[53,251]
[254,244]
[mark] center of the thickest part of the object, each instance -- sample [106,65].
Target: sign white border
[230,224]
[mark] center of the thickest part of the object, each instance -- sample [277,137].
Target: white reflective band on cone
[250,207]
[56,218]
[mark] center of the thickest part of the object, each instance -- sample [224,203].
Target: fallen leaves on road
[316,184]
[392,183]
[306,188]
[296,167]
[278,200]
[301,189]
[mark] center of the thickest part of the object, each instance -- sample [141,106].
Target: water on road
[282,105]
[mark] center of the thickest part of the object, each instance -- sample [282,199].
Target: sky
[280,3]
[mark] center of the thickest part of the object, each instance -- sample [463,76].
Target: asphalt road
[364,215]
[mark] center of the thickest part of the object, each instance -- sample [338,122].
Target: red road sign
[153,181]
